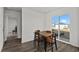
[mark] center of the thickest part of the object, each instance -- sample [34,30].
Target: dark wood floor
[14,45]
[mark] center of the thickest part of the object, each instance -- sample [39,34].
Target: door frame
[4,24]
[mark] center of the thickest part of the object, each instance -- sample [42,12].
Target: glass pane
[64,28]
[55,22]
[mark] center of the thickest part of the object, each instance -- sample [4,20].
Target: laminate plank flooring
[14,45]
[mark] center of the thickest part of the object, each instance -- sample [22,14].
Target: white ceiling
[37,9]
[44,9]
[14,8]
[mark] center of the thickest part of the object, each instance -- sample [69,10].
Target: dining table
[44,35]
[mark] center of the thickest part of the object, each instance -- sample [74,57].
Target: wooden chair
[55,42]
[36,39]
[51,40]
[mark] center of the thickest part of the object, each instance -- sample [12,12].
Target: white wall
[78,24]
[31,21]
[1,28]
[74,22]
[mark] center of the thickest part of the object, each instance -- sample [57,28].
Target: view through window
[60,24]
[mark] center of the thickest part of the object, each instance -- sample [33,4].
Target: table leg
[52,47]
[45,44]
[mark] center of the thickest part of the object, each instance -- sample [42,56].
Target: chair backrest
[37,35]
[37,31]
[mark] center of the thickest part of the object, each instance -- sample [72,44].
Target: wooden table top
[46,34]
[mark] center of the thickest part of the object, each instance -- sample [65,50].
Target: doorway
[61,27]
[12,26]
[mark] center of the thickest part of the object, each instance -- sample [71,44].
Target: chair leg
[34,43]
[45,46]
[52,47]
[56,44]
[38,47]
